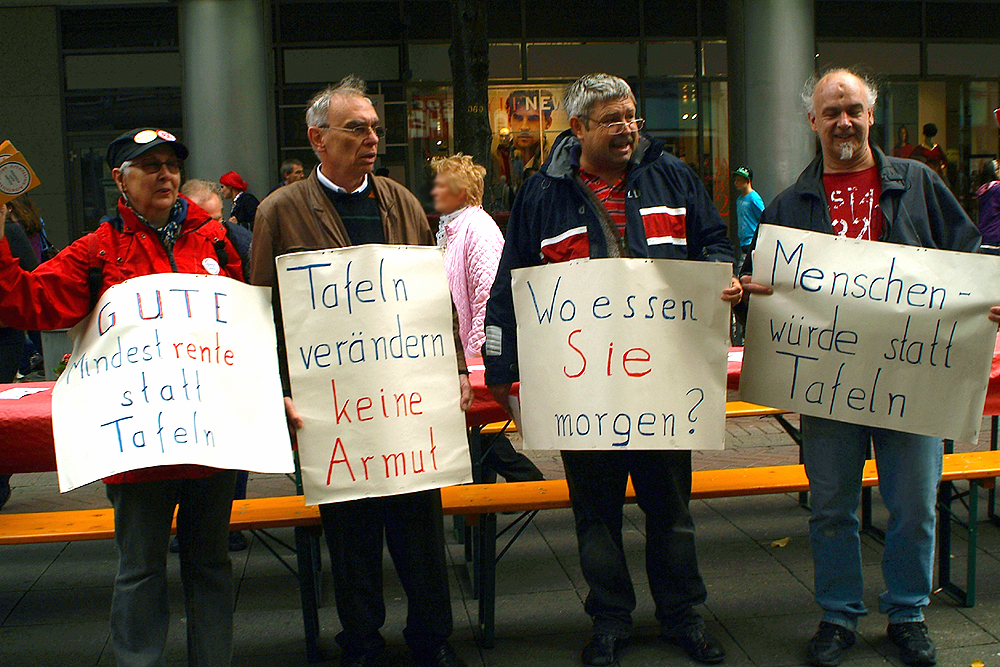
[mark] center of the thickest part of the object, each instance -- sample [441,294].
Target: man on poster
[594,167]
[342,204]
[529,115]
[855,190]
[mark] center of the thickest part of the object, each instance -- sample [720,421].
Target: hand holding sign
[871,333]
[372,363]
[623,353]
[16,175]
[170,369]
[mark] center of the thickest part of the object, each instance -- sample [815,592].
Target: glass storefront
[678,70]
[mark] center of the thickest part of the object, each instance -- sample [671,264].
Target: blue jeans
[909,468]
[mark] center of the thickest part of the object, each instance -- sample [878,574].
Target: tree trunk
[470,73]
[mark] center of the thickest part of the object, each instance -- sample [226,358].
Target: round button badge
[211,266]
[14,178]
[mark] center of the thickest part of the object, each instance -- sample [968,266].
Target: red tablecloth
[26,430]
[26,423]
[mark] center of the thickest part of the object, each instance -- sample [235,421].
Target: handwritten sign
[623,354]
[371,358]
[869,333]
[16,175]
[169,369]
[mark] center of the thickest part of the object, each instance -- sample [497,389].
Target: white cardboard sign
[876,334]
[371,358]
[169,369]
[623,354]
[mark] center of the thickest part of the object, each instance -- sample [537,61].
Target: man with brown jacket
[342,204]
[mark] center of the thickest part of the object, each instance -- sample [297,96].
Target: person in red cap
[152,230]
[244,204]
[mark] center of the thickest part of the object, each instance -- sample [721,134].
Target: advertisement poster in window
[525,123]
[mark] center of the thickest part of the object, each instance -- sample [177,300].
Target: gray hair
[288,166]
[193,187]
[318,111]
[809,89]
[590,89]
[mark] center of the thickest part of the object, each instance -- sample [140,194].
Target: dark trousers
[414,532]
[241,485]
[662,481]
[512,465]
[11,349]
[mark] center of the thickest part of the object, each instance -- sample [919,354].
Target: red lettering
[611,350]
[569,341]
[415,399]
[341,412]
[627,358]
[368,404]
[192,351]
[433,457]
[364,462]
[333,459]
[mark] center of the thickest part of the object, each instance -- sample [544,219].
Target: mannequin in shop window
[931,153]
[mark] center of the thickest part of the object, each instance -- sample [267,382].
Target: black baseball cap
[745,172]
[134,143]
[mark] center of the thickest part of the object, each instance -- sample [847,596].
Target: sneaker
[827,647]
[915,645]
[602,651]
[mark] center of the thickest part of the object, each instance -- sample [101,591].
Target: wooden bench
[481,503]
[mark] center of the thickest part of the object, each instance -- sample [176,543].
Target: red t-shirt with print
[853,200]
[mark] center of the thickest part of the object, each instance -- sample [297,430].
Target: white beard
[847,150]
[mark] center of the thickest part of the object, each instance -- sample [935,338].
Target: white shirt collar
[327,183]
[445,219]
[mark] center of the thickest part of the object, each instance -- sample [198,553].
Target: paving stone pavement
[55,598]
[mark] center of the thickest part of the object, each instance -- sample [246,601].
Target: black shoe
[175,545]
[236,541]
[4,490]
[445,656]
[362,660]
[602,651]
[698,644]
[915,645]
[828,645]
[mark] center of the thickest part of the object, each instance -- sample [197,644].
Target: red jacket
[57,294]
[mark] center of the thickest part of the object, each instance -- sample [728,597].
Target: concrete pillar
[228,91]
[771,47]
[32,110]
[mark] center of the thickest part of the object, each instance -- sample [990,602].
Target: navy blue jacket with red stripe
[669,215]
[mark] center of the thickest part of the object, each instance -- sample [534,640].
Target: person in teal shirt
[749,206]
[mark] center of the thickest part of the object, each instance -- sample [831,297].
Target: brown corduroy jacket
[300,217]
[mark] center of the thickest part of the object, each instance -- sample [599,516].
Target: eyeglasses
[359,131]
[154,166]
[621,127]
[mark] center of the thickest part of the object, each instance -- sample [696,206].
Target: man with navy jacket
[609,191]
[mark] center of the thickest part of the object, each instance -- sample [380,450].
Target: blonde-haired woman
[472,245]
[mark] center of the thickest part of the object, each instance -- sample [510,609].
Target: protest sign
[171,368]
[876,334]
[371,358]
[16,175]
[623,354]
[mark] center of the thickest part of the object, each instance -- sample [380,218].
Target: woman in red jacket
[155,232]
